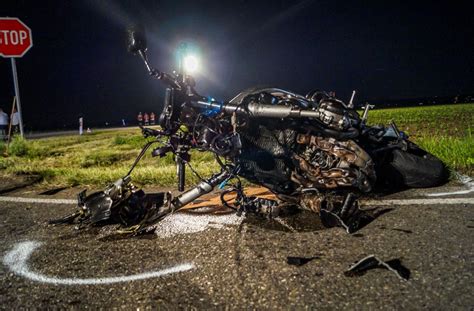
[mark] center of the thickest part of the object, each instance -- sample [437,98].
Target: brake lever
[147,132]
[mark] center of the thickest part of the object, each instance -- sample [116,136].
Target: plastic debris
[372,262]
[299,261]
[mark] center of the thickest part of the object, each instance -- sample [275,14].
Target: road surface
[205,260]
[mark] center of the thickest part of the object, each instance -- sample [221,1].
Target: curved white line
[466,180]
[17,258]
[440,194]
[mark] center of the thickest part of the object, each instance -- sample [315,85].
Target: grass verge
[445,131]
[104,156]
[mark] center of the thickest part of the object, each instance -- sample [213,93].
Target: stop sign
[15,37]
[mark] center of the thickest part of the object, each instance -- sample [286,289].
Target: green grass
[3,147]
[441,121]
[104,156]
[445,131]
[96,159]
[457,152]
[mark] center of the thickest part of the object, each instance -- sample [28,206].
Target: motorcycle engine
[277,155]
[284,160]
[327,163]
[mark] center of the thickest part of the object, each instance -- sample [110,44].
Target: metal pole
[351,104]
[17,94]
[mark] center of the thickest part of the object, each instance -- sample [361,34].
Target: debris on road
[53,191]
[372,262]
[299,261]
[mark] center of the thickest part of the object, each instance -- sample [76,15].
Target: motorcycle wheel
[416,168]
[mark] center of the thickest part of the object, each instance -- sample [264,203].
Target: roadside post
[15,40]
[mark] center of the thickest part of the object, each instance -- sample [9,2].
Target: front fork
[202,188]
[199,190]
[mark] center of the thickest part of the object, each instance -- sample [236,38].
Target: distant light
[191,64]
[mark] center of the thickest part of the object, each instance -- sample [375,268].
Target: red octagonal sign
[15,37]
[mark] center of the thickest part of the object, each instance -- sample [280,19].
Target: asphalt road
[210,261]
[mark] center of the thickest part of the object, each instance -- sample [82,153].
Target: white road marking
[442,194]
[448,201]
[37,200]
[466,180]
[17,261]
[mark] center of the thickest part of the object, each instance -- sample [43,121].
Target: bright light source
[191,64]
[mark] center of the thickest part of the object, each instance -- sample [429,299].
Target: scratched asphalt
[245,266]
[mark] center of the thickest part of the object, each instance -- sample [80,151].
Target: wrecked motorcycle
[313,152]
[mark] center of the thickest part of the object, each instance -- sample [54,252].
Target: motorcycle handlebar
[155,73]
[258,110]
[165,77]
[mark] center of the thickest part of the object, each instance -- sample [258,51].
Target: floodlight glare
[190,64]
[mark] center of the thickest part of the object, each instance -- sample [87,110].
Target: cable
[190,167]
[142,153]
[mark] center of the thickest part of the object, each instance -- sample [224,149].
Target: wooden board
[214,200]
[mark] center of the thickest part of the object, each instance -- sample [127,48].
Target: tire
[416,168]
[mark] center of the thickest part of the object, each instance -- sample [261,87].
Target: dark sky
[79,63]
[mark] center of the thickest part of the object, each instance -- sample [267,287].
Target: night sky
[79,63]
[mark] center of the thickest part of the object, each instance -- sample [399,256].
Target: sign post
[17,95]
[15,41]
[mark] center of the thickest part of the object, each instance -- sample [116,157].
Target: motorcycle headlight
[191,64]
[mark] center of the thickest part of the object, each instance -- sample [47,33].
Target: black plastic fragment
[99,204]
[53,191]
[299,261]
[372,262]
[402,230]
[68,219]
[353,218]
